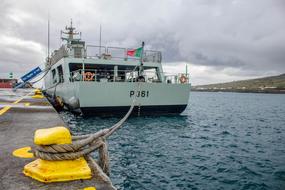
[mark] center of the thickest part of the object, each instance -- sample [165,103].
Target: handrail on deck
[111,52]
[126,76]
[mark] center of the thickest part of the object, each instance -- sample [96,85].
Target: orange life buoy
[183,79]
[88,76]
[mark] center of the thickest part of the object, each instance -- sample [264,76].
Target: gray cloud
[243,34]
[247,36]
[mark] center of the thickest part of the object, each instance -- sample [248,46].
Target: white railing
[95,75]
[119,53]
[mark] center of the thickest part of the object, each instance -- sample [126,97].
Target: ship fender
[73,103]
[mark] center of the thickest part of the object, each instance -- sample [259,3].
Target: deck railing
[119,53]
[94,75]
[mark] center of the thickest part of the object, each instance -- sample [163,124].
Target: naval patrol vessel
[100,80]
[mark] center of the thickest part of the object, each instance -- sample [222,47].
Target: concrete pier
[20,116]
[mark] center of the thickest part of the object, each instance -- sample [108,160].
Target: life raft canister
[183,79]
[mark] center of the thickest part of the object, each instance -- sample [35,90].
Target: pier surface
[20,116]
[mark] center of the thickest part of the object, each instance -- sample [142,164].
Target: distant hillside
[273,84]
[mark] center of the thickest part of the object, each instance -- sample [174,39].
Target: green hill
[272,84]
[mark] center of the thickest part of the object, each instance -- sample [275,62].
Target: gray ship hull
[115,98]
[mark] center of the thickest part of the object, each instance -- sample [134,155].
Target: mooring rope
[83,145]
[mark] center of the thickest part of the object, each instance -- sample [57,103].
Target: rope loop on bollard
[83,145]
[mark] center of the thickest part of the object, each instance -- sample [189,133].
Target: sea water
[221,141]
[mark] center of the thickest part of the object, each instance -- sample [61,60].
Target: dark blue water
[222,141]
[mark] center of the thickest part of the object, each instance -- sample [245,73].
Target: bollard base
[58,171]
[38,96]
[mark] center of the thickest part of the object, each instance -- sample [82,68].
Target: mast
[70,32]
[48,40]
[100,36]
[141,61]
[141,58]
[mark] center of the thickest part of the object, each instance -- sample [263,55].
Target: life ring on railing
[88,76]
[183,79]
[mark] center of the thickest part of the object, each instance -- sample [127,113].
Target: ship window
[102,73]
[60,74]
[75,71]
[75,66]
[54,79]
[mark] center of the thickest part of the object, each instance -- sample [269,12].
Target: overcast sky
[220,40]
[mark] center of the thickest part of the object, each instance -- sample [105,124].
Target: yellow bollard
[54,135]
[89,188]
[56,171]
[38,94]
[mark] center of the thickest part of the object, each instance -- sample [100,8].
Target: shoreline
[242,91]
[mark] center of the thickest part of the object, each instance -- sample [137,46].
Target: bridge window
[54,78]
[60,74]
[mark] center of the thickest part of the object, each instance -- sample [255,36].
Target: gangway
[29,76]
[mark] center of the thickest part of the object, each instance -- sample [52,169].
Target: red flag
[131,52]
[135,52]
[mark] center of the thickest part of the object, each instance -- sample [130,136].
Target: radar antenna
[69,34]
